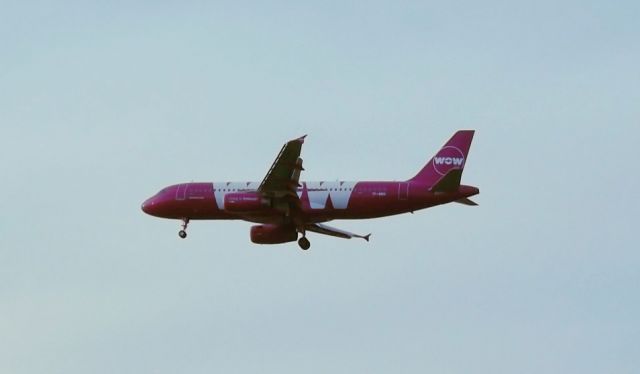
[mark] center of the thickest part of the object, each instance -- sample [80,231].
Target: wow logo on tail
[448,158]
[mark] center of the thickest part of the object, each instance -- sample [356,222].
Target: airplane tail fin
[444,170]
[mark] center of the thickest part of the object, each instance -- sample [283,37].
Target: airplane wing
[327,230]
[283,176]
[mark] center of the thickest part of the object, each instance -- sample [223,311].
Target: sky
[104,103]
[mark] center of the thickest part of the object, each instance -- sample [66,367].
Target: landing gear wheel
[304,243]
[183,233]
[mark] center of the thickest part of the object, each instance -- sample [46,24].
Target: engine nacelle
[273,234]
[243,202]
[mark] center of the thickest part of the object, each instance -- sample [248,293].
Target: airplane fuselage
[319,201]
[285,207]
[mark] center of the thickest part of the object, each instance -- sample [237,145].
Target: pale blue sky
[102,104]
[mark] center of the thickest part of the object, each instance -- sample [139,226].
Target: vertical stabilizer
[452,156]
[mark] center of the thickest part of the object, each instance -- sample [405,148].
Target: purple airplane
[285,207]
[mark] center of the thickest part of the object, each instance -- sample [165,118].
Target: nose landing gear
[183,233]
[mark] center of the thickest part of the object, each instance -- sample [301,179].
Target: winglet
[366,237]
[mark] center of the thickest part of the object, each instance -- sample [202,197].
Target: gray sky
[102,104]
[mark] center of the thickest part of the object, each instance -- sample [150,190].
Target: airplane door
[403,191]
[181,192]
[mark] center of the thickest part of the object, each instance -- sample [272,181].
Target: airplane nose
[146,206]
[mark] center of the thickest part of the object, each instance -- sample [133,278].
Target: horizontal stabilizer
[466,201]
[449,183]
[331,231]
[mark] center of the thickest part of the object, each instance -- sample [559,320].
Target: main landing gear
[183,233]
[304,243]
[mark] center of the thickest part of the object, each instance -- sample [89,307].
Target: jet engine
[243,202]
[273,234]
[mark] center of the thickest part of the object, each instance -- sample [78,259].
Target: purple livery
[284,207]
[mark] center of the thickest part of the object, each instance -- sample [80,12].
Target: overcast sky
[104,103]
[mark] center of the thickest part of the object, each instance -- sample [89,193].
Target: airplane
[285,208]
